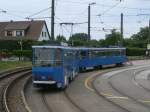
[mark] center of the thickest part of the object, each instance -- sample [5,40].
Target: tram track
[46,103]
[79,109]
[46,99]
[100,95]
[134,82]
[121,93]
[5,79]
[115,104]
[72,102]
[49,106]
[138,84]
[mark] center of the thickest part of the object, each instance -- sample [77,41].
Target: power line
[41,11]
[9,13]
[110,8]
[104,5]
[128,15]
[38,18]
[72,23]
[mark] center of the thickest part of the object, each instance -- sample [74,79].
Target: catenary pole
[89,22]
[121,41]
[53,19]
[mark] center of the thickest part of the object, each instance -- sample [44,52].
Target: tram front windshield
[47,57]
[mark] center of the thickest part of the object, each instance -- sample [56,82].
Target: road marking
[110,96]
[118,97]
[87,83]
[106,94]
[88,80]
[144,101]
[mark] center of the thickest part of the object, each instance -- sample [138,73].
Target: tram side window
[97,53]
[114,53]
[103,53]
[68,56]
[82,54]
[58,57]
[108,53]
[90,54]
[123,52]
[117,53]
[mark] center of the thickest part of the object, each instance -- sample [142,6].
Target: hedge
[24,53]
[135,51]
[27,44]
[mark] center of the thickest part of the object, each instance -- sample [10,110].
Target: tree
[140,39]
[102,43]
[141,35]
[61,38]
[78,39]
[94,43]
[79,36]
[113,39]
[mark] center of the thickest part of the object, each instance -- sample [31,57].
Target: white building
[26,30]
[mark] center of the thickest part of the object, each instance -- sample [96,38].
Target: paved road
[76,98]
[48,100]
[121,90]
[128,88]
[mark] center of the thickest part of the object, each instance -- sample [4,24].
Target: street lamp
[89,19]
[3,11]
[93,3]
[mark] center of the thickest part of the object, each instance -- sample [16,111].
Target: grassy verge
[137,57]
[13,64]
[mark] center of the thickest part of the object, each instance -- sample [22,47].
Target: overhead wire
[39,12]
[110,8]
[104,5]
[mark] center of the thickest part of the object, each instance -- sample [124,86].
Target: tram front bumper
[44,82]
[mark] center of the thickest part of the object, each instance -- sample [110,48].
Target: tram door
[67,65]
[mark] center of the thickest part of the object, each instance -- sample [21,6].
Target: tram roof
[77,48]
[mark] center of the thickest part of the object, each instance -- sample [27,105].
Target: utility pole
[148,45]
[149,34]
[89,22]
[53,20]
[121,41]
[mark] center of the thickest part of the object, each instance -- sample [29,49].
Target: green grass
[13,64]
[137,57]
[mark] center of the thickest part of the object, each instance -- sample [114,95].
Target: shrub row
[135,51]
[17,53]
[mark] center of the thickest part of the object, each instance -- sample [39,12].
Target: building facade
[25,30]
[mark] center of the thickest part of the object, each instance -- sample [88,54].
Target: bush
[24,53]
[135,51]
[8,45]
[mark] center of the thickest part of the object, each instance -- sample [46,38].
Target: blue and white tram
[57,65]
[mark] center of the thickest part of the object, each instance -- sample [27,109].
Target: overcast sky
[136,14]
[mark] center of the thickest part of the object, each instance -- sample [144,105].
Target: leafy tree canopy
[141,35]
[79,36]
[61,38]
[113,39]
